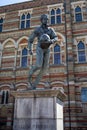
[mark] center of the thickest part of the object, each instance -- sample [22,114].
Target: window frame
[25,21]
[58,54]
[80,12]
[59,14]
[55,7]
[82,5]
[55,16]
[4,97]
[1,24]
[26,12]
[81,51]
[23,57]
[52,15]
[82,100]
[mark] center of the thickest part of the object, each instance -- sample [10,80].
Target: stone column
[38,110]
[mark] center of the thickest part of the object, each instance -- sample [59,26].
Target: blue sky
[8,2]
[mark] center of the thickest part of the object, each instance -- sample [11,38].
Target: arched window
[24,58]
[78,14]
[28,21]
[5,97]
[25,21]
[8,55]
[58,15]
[1,24]
[55,16]
[52,16]
[84,94]
[81,52]
[57,59]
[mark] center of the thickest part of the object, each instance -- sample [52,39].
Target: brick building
[68,57]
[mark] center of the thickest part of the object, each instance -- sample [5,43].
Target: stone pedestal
[38,110]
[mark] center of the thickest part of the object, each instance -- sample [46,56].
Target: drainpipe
[67,65]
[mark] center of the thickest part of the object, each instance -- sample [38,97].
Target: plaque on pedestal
[38,110]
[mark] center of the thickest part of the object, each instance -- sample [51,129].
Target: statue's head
[44,18]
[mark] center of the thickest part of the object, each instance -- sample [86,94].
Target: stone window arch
[23,57]
[80,49]
[8,55]
[57,51]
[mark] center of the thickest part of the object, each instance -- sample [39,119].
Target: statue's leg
[44,67]
[46,59]
[32,70]
[39,61]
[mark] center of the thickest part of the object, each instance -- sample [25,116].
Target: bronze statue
[46,36]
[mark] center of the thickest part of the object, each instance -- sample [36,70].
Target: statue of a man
[46,36]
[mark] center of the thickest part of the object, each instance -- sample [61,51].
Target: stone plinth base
[38,110]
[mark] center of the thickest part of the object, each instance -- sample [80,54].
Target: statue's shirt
[40,31]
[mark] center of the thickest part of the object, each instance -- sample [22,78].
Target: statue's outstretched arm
[54,37]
